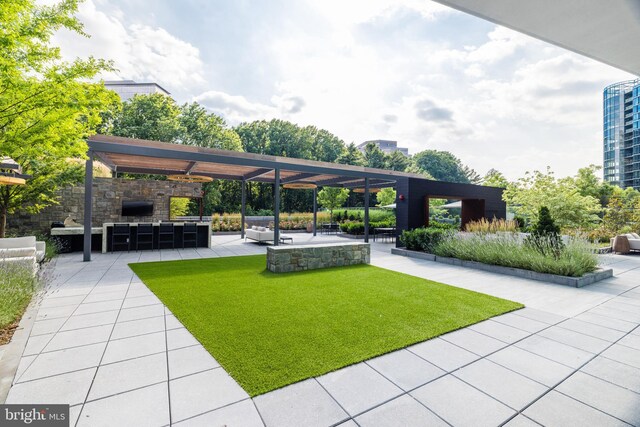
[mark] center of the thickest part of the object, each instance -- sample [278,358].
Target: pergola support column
[315,210]
[276,209]
[242,207]
[366,210]
[88,206]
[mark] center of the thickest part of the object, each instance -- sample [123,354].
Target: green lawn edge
[310,323]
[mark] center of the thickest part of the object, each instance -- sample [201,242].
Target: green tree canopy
[396,161]
[374,157]
[155,116]
[332,198]
[47,107]
[570,209]
[495,178]
[204,129]
[442,165]
[351,156]
[386,196]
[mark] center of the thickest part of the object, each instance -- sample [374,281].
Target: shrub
[443,225]
[17,286]
[545,237]
[357,227]
[424,239]
[576,259]
[484,225]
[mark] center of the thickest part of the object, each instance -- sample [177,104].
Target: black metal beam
[107,161]
[376,182]
[163,153]
[255,174]
[242,207]
[190,167]
[315,210]
[366,210]
[88,205]
[336,182]
[276,209]
[298,177]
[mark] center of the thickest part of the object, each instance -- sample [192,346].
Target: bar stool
[120,236]
[166,235]
[189,234]
[145,235]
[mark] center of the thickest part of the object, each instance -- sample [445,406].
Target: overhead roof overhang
[607,31]
[151,157]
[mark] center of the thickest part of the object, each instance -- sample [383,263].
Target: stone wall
[108,194]
[283,259]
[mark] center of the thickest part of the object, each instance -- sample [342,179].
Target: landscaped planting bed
[269,330]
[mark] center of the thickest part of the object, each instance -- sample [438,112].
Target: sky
[407,70]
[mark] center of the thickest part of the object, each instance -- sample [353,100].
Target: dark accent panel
[412,211]
[472,210]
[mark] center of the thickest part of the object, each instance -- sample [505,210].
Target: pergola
[152,157]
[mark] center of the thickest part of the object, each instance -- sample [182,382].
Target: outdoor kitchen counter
[203,232]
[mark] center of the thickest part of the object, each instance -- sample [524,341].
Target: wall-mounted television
[137,208]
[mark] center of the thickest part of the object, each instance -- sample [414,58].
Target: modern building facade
[385,145]
[621,138]
[127,88]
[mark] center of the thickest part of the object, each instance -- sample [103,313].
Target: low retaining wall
[282,259]
[576,282]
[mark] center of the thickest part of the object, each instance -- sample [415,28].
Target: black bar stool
[145,236]
[166,235]
[189,235]
[120,236]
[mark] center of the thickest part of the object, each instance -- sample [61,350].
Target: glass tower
[621,142]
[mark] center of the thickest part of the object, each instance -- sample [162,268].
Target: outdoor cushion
[254,227]
[262,229]
[635,235]
[18,242]
[17,252]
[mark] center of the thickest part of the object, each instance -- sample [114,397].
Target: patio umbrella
[391,206]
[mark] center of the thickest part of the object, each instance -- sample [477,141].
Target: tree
[495,178]
[472,175]
[155,116]
[47,106]
[351,156]
[396,161]
[570,209]
[386,196]
[203,129]
[332,198]
[591,185]
[442,165]
[373,156]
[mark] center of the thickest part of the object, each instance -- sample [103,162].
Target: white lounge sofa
[634,241]
[259,234]
[22,250]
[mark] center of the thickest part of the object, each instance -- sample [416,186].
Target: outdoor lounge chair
[22,250]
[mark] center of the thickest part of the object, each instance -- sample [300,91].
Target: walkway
[105,344]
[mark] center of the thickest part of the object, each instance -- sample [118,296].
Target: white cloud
[410,70]
[139,52]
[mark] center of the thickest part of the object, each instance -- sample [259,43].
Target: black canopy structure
[184,161]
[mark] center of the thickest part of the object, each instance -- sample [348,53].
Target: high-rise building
[127,88]
[385,145]
[621,140]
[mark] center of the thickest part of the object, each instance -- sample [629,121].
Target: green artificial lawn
[269,330]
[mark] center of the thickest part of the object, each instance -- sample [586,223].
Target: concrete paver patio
[105,344]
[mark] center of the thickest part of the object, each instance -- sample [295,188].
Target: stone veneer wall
[283,259]
[108,194]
